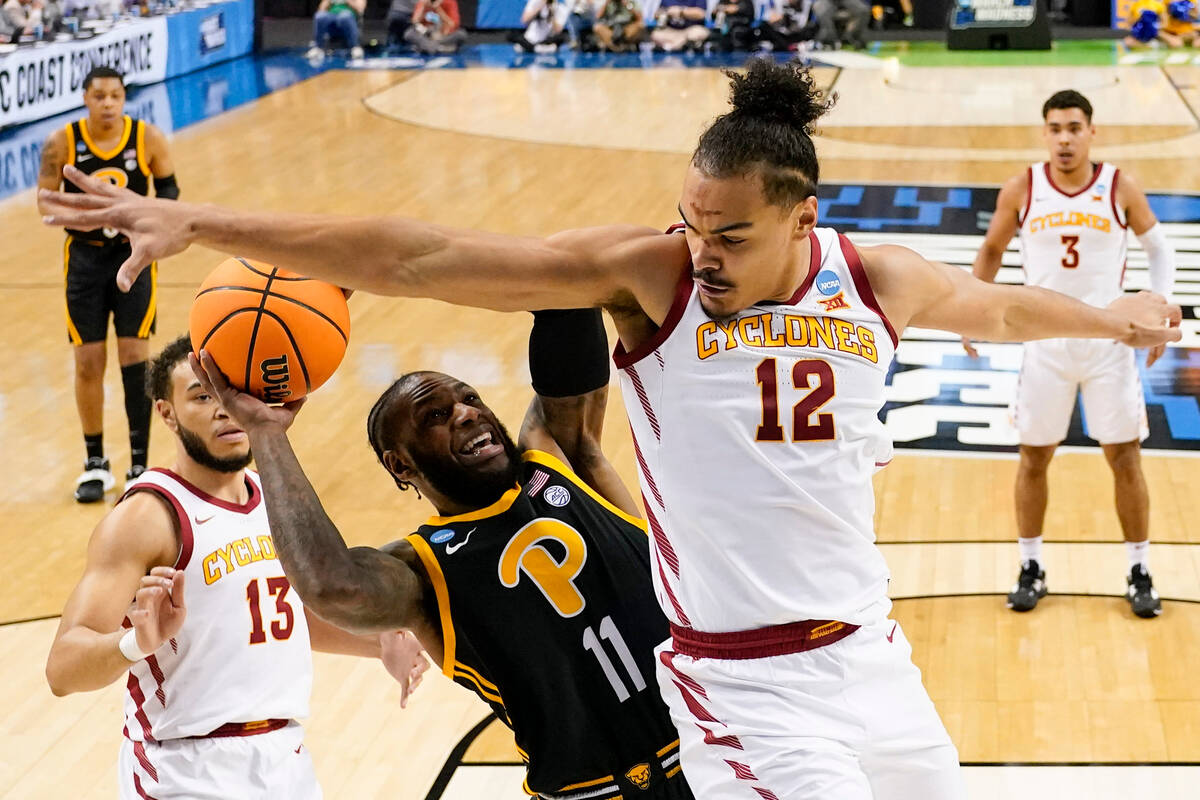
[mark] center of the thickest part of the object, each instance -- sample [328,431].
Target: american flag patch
[537,483]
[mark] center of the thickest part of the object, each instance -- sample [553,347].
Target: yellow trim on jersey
[668,748]
[499,507]
[547,460]
[524,756]
[585,784]
[434,570]
[673,771]
[152,306]
[493,696]
[111,154]
[72,331]
[140,147]
[70,145]
[476,676]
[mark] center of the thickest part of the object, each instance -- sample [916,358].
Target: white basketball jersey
[1074,243]
[243,653]
[756,438]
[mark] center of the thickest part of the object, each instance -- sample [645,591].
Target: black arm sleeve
[166,188]
[568,352]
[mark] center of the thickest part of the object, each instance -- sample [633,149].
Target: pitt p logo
[526,552]
[639,776]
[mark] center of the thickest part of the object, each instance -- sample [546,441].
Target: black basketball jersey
[126,165]
[549,615]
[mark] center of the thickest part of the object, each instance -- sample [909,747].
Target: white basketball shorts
[847,721]
[267,766]
[1055,371]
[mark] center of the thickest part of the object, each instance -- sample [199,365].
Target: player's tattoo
[52,159]
[359,589]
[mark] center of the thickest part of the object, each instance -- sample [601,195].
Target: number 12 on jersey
[807,424]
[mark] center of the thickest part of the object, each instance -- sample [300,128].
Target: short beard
[194,446]
[467,488]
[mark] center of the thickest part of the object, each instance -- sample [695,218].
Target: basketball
[275,334]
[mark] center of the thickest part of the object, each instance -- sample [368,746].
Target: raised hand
[159,609]
[1152,320]
[156,228]
[245,409]
[404,659]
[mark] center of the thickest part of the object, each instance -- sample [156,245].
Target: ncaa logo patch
[557,496]
[444,535]
[828,283]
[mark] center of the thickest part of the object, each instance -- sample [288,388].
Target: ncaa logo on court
[444,535]
[557,496]
[828,283]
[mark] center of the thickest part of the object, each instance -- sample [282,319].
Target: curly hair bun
[785,93]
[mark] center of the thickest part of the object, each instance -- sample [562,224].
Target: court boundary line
[454,758]
[365,101]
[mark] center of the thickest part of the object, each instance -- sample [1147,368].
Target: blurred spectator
[581,16]
[21,17]
[399,20]
[789,25]
[680,24]
[1152,21]
[733,23]
[337,19]
[857,16]
[437,27]
[619,25]
[543,21]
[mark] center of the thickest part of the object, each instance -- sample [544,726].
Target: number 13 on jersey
[814,378]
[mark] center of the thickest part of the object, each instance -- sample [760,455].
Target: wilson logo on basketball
[275,376]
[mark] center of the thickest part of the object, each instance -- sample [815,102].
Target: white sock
[1139,553]
[1030,549]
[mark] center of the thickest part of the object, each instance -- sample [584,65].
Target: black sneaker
[94,482]
[1142,597]
[1030,587]
[134,473]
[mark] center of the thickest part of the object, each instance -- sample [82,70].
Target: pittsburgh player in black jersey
[127,152]
[531,587]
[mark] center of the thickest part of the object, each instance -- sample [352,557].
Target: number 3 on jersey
[1071,259]
[807,424]
[281,629]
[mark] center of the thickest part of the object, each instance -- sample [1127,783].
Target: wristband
[129,647]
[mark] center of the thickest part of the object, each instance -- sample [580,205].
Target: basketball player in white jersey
[754,352]
[1072,216]
[217,648]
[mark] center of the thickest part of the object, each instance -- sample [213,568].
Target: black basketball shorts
[90,270]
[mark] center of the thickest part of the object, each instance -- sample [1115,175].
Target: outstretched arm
[568,363]
[933,295]
[359,589]
[611,266]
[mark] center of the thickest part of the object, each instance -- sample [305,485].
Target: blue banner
[202,37]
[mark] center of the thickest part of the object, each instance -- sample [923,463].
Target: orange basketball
[275,334]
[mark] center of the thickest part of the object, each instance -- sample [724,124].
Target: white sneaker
[96,479]
[356,52]
[315,53]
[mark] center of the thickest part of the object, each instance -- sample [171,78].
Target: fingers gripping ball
[275,334]
[1145,28]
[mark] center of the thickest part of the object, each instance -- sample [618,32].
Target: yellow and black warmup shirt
[548,614]
[127,165]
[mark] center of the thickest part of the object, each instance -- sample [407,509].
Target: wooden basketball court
[1079,681]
